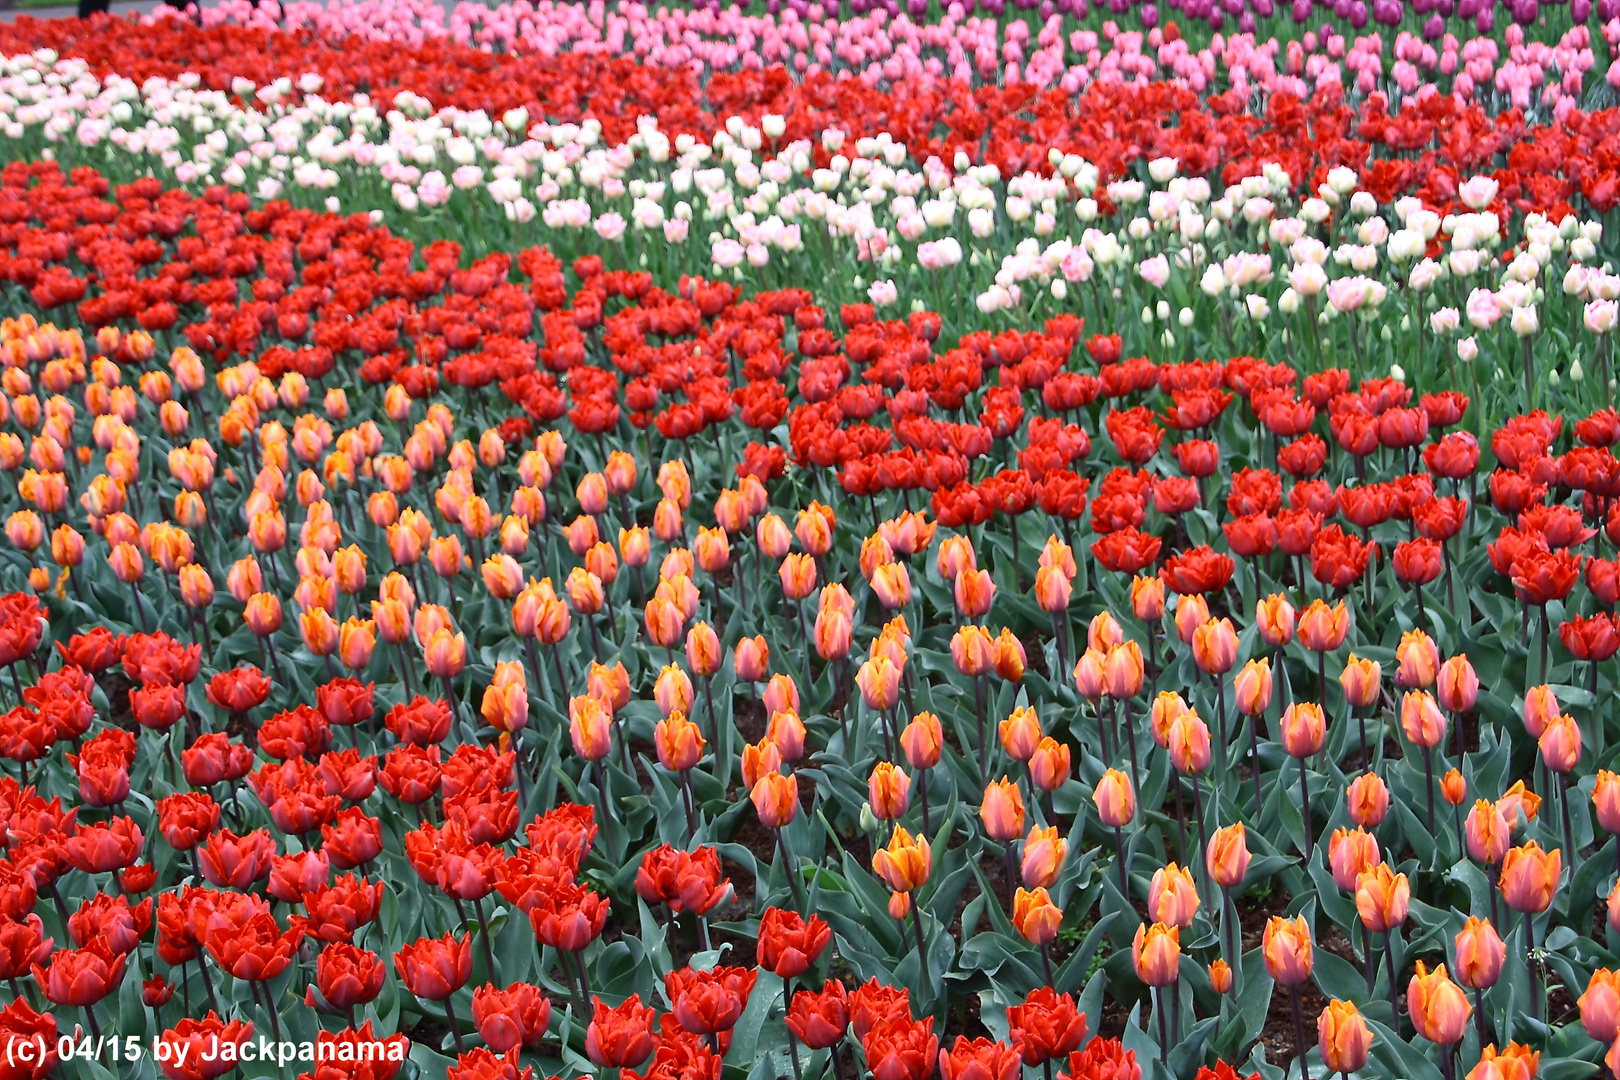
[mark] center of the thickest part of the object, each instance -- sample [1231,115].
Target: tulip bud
[1343,1038]
[1368,800]
[1227,858]
[1035,917]
[1220,976]
[1115,799]
[1480,954]
[1156,954]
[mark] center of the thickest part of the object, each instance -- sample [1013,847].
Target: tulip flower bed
[539,561]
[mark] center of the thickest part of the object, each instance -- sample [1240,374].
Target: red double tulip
[435,968]
[788,943]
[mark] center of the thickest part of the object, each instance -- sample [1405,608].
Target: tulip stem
[1367,958]
[1046,964]
[1130,733]
[455,702]
[1203,834]
[984,747]
[584,982]
[1119,861]
[1532,964]
[1389,959]
[95,1028]
[1428,779]
[455,1025]
[1012,876]
[483,927]
[1299,1033]
[1563,807]
[793,875]
[922,947]
[686,798]
[1479,1017]
[928,829]
[1164,1038]
[140,613]
[1305,808]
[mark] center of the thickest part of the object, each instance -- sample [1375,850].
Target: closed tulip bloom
[1457,686]
[1123,670]
[1418,660]
[1052,589]
[1010,657]
[1043,855]
[906,863]
[1360,681]
[1189,743]
[1191,613]
[832,634]
[1049,765]
[664,620]
[503,577]
[1540,707]
[1368,800]
[505,705]
[1228,856]
[879,682]
[1438,1006]
[1600,1006]
[1251,687]
[1351,853]
[1220,976]
[1453,788]
[1002,810]
[590,725]
[1606,800]
[1304,729]
[774,541]
[973,650]
[974,591]
[923,740]
[776,799]
[1156,954]
[319,630]
[1323,628]
[1168,707]
[1287,950]
[1104,632]
[672,690]
[1488,831]
[888,791]
[1480,954]
[1561,743]
[798,574]
[1530,877]
[445,653]
[1382,898]
[1090,678]
[262,614]
[1274,618]
[1172,897]
[1215,646]
[891,583]
[679,742]
[1147,598]
[1115,799]
[1021,733]
[955,555]
[1343,1038]
[1422,720]
[1035,917]
[751,659]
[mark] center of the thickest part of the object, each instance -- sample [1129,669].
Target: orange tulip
[1515,1062]
[923,740]
[1220,976]
[1287,950]
[1052,589]
[1382,898]
[1606,800]
[775,798]
[1540,707]
[888,791]
[1251,687]
[1228,856]
[1323,628]
[879,682]
[1274,617]
[1489,833]
[1189,743]
[590,725]
[1156,954]
[1343,1038]
[906,863]
[1089,677]
[974,592]
[1021,733]
[1147,598]
[1360,681]
[1418,660]
[1351,853]
[672,690]
[1104,632]
[1480,954]
[1368,800]
[973,650]
[1049,765]
[1560,743]
[1600,1006]
[832,634]
[1002,810]
[1115,799]
[1172,896]
[1191,613]
[262,614]
[1422,720]
[751,659]
[1215,646]
[1457,686]
[1167,708]
[1123,670]
[1530,877]
[1035,917]
[1043,855]
[1304,729]
[1453,788]
[679,742]
[1438,1006]
[891,583]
